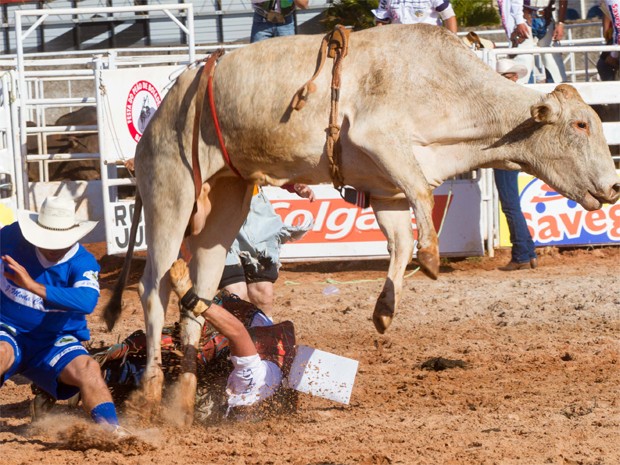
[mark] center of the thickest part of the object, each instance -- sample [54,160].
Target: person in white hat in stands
[48,284]
[530,24]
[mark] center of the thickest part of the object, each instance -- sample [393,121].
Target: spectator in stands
[48,284]
[516,16]
[523,250]
[274,18]
[607,64]
[416,11]
[545,31]
[517,31]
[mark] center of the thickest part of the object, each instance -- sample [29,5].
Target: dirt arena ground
[540,382]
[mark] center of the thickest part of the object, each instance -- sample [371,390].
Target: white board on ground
[323,374]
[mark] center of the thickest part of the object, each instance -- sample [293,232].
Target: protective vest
[276,344]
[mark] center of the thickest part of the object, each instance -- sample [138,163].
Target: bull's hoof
[145,403]
[183,400]
[382,317]
[140,408]
[429,263]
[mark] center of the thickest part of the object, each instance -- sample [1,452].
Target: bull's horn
[567,91]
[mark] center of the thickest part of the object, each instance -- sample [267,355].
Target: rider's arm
[239,340]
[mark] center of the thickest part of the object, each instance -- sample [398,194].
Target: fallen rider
[241,362]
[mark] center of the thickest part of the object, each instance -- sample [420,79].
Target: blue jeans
[263,29]
[523,249]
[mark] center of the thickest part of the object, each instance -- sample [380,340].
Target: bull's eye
[581,126]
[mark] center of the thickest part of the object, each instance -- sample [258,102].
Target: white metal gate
[8,191]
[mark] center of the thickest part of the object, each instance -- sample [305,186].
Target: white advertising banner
[342,230]
[131,98]
[129,101]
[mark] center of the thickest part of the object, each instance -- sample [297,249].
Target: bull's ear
[547,111]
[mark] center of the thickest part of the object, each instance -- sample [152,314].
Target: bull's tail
[115,306]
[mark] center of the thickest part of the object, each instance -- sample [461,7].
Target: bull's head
[569,151]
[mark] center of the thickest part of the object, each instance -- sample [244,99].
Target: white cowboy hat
[55,227]
[507,65]
[473,40]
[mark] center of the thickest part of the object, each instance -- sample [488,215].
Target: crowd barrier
[466,212]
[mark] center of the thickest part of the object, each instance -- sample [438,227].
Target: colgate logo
[338,221]
[554,219]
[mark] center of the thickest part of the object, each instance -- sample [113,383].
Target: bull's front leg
[394,218]
[397,162]
[164,235]
[428,241]
[148,401]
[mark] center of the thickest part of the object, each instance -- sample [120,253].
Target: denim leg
[286,29]
[606,72]
[261,29]
[508,190]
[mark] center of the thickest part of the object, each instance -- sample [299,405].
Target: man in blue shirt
[48,284]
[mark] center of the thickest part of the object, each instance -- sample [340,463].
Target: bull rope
[205,86]
[334,45]
[208,72]
[203,83]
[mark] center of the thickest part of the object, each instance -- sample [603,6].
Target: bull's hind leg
[394,218]
[227,207]
[165,221]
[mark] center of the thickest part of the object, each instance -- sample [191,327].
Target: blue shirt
[72,289]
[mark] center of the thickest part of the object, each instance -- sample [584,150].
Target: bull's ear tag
[360,199]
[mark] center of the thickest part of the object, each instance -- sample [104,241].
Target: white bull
[416,108]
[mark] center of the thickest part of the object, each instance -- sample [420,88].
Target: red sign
[338,221]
